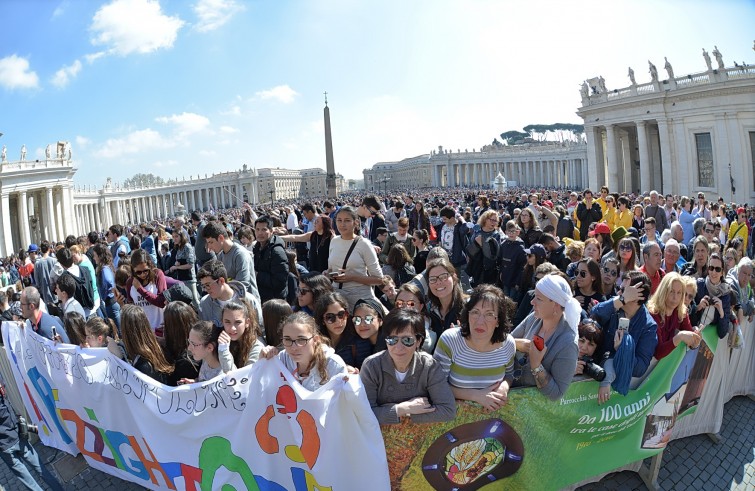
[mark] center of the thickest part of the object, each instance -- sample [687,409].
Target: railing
[26,165]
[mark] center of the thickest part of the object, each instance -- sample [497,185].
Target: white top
[154,314]
[335,366]
[363,261]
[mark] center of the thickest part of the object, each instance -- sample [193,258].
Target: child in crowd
[203,346]
[239,343]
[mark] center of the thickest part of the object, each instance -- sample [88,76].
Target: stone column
[7,241]
[666,169]
[201,200]
[23,219]
[97,216]
[49,219]
[613,160]
[152,214]
[594,160]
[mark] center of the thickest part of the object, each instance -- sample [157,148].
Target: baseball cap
[537,249]
[601,228]
[33,248]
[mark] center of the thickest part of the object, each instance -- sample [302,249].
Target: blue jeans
[114,312]
[22,452]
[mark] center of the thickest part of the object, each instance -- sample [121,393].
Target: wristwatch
[621,299]
[538,370]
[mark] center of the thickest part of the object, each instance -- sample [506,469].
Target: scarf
[717,291]
[557,289]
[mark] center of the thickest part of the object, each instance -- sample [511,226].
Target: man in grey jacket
[237,261]
[213,278]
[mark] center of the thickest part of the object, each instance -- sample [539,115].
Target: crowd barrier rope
[255,428]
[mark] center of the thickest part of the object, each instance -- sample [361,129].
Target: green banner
[535,443]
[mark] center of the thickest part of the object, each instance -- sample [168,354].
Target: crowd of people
[428,297]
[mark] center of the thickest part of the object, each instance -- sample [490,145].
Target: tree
[513,137]
[143,181]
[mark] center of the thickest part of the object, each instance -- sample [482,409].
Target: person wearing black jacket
[17,452]
[270,261]
[588,211]
[511,259]
[369,212]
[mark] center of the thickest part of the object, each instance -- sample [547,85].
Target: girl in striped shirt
[478,356]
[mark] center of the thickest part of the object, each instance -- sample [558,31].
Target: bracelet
[537,370]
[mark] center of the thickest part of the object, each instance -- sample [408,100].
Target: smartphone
[539,343]
[333,274]
[54,332]
[623,324]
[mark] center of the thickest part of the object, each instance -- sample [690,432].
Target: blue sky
[181,88]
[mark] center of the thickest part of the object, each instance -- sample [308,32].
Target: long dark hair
[327,229]
[321,307]
[179,317]
[140,340]
[240,349]
[140,256]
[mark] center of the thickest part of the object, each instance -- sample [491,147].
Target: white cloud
[166,163]
[281,93]
[212,14]
[207,153]
[60,10]
[90,58]
[228,129]
[185,123]
[134,26]
[15,73]
[82,141]
[65,74]
[232,111]
[135,142]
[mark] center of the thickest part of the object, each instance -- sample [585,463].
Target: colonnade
[571,173]
[99,210]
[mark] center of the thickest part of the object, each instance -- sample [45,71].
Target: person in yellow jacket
[602,200]
[623,215]
[739,228]
[609,213]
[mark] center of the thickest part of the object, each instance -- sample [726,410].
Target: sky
[181,88]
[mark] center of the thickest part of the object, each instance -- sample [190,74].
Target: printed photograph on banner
[684,394]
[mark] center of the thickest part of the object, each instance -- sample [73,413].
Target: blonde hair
[486,215]
[657,302]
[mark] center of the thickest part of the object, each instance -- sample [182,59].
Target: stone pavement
[690,463]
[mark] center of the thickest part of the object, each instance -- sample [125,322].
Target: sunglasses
[405,303]
[407,341]
[304,291]
[708,230]
[717,269]
[611,272]
[367,319]
[142,272]
[582,274]
[626,247]
[331,318]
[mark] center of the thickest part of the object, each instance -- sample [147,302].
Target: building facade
[681,135]
[549,164]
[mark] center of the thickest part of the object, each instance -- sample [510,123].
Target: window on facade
[704,160]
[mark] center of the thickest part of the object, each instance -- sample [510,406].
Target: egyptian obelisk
[330,166]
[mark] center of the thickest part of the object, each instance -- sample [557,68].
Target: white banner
[256,428]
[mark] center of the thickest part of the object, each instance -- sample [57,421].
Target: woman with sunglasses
[627,258]
[311,287]
[305,354]
[668,309]
[588,284]
[145,287]
[478,357]
[591,249]
[367,320]
[698,267]
[404,382]
[609,275]
[353,263]
[332,317]
[713,298]
[445,298]
[410,297]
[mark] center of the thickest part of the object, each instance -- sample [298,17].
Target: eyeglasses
[582,273]
[611,272]
[206,285]
[194,345]
[141,272]
[367,319]
[441,277]
[405,303]
[489,316]
[331,318]
[407,341]
[717,269]
[708,230]
[304,291]
[288,342]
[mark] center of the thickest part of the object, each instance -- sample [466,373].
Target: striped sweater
[471,369]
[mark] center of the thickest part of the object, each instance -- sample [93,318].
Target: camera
[592,369]
[25,428]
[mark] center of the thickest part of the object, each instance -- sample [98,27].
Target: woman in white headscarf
[554,320]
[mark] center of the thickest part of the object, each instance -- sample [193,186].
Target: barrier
[530,443]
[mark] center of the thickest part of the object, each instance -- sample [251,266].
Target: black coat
[271,266]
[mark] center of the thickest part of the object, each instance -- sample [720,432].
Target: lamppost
[384,180]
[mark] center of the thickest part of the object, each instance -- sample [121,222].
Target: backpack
[83,294]
[403,275]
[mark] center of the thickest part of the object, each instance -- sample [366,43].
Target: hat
[371,303]
[600,228]
[740,211]
[619,234]
[633,232]
[548,203]
[179,293]
[35,248]
[537,249]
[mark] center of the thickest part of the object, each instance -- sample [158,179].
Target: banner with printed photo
[534,443]
[254,429]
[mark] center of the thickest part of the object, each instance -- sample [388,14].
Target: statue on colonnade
[707,60]
[23,152]
[4,154]
[719,58]
[631,76]
[602,85]
[585,90]
[669,69]
[47,152]
[653,72]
